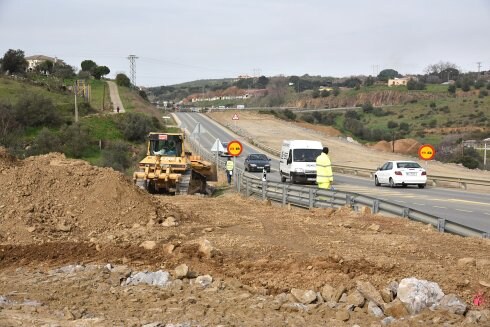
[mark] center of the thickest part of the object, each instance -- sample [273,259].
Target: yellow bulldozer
[168,168]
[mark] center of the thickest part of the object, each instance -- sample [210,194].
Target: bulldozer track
[184,182]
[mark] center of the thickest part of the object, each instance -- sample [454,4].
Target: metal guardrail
[308,197]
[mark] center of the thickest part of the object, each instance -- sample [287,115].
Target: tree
[46,67]
[442,69]
[62,70]
[369,81]
[262,82]
[387,74]
[88,66]
[123,80]
[352,82]
[100,71]
[13,61]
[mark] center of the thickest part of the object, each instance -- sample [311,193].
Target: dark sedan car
[257,162]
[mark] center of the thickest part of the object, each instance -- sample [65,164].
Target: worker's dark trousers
[228,175]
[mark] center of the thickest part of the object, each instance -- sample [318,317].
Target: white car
[401,173]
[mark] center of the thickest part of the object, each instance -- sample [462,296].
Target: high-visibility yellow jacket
[229,165]
[323,169]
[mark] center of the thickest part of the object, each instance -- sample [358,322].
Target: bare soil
[56,212]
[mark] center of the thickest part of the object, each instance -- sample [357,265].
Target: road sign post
[427,152]
[235,119]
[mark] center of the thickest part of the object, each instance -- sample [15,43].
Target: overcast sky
[183,40]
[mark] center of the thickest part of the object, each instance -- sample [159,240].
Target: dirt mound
[6,159]
[405,146]
[50,197]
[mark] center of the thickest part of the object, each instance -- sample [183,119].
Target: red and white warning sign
[235,117]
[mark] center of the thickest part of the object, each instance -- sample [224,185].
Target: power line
[132,69]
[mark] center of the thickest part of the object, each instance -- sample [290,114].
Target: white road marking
[463,210]
[400,201]
[439,207]
[419,204]
[486,213]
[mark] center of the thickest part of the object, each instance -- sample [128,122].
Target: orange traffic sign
[234,148]
[235,117]
[427,152]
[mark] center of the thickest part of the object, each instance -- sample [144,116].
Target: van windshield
[306,155]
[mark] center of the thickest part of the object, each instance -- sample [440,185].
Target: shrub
[45,142]
[483,93]
[367,107]
[404,126]
[326,93]
[451,89]
[9,126]
[392,124]
[432,105]
[77,140]
[116,155]
[433,123]
[35,110]
[289,114]
[308,118]
[135,126]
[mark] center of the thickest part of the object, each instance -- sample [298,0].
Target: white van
[298,160]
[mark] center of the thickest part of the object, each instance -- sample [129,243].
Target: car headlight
[299,170]
[267,165]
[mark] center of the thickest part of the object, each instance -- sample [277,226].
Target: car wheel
[293,180]
[421,185]
[404,185]
[283,179]
[269,170]
[376,182]
[392,183]
[246,168]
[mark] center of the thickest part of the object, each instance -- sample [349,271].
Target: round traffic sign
[234,148]
[427,152]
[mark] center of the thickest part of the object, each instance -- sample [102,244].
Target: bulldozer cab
[168,145]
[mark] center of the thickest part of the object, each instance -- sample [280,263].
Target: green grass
[100,98]
[11,91]
[126,98]
[102,127]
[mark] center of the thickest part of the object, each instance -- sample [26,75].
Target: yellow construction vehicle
[168,168]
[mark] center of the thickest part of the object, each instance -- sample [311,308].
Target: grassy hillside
[37,118]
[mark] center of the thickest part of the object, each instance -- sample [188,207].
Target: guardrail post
[441,224]
[264,190]
[247,187]
[348,200]
[284,194]
[406,212]
[239,181]
[375,206]
[486,235]
[312,198]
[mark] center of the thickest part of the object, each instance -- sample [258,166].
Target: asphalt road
[468,208]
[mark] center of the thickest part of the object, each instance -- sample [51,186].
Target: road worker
[324,174]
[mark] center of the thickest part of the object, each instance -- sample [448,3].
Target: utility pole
[76,107]
[132,69]
[478,64]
